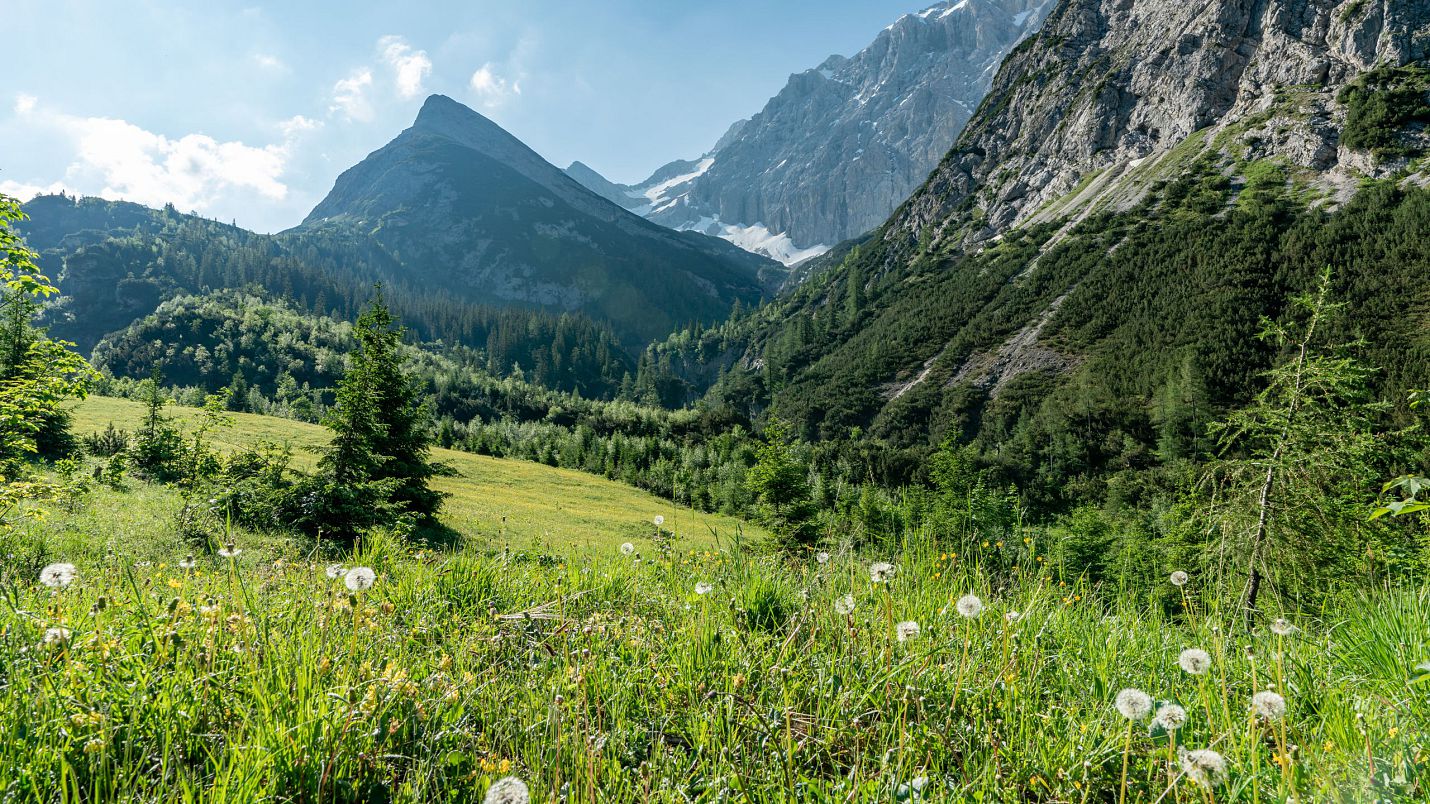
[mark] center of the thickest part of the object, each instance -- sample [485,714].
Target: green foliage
[1381,104]
[37,375]
[123,262]
[412,691]
[377,464]
[780,485]
[158,450]
[1285,502]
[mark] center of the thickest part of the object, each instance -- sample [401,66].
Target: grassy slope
[542,505]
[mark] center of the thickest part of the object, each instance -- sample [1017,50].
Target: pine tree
[377,466]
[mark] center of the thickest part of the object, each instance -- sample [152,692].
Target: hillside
[1093,260]
[113,279]
[491,499]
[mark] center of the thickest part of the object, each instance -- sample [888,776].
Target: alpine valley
[1033,406]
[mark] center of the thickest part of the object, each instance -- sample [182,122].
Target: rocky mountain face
[843,144]
[1144,183]
[468,210]
[1115,96]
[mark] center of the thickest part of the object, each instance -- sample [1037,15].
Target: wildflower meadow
[676,670]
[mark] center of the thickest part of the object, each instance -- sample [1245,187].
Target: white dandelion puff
[1195,661]
[627,549]
[1170,717]
[1203,766]
[906,630]
[1179,578]
[336,571]
[1134,704]
[1012,617]
[359,578]
[58,576]
[1268,705]
[1282,627]
[188,563]
[508,790]
[822,557]
[882,572]
[845,605]
[659,520]
[969,606]
[703,588]
[229,551]
[57,636]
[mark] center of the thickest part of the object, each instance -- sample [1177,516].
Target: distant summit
[469,210]
[843,144]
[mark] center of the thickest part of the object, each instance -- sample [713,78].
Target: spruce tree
[377,466]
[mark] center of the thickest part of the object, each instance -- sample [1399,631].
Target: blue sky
[248,111]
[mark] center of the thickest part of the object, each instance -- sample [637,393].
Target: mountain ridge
[842,144]
[461,203]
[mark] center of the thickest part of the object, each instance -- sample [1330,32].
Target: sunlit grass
[598,676]
[495,500]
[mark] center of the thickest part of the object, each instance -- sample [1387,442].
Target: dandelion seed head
[1282,627]
[969,606]
[229,551]
[845,605]
[1268,705]
[56,636]
[1134,704]
[1195,661]
[1012,617]
[659,520]
[359,578]
[335,571]
[822,557]
[507,790]
[703,588]
[1170,717]
[58,576]
[906,630]
[1203,766]
[882,572]
[188,563]
[627,549]
[1179,578]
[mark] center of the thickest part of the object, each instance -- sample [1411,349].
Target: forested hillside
[112,277]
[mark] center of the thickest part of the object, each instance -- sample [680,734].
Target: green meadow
[681,669]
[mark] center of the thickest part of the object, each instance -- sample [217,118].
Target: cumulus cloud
[25,191]
[350,96]
[24,104]
[491,87]
[194,171]
[409,67]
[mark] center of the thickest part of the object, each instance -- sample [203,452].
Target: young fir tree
[378,463]
[779,483]
[1286,502]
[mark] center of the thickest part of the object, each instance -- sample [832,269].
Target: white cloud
[117,159]
[24,104]
[270,62]
[409,67]
[25,192]
[350,96]
[491,87]
[298,124]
